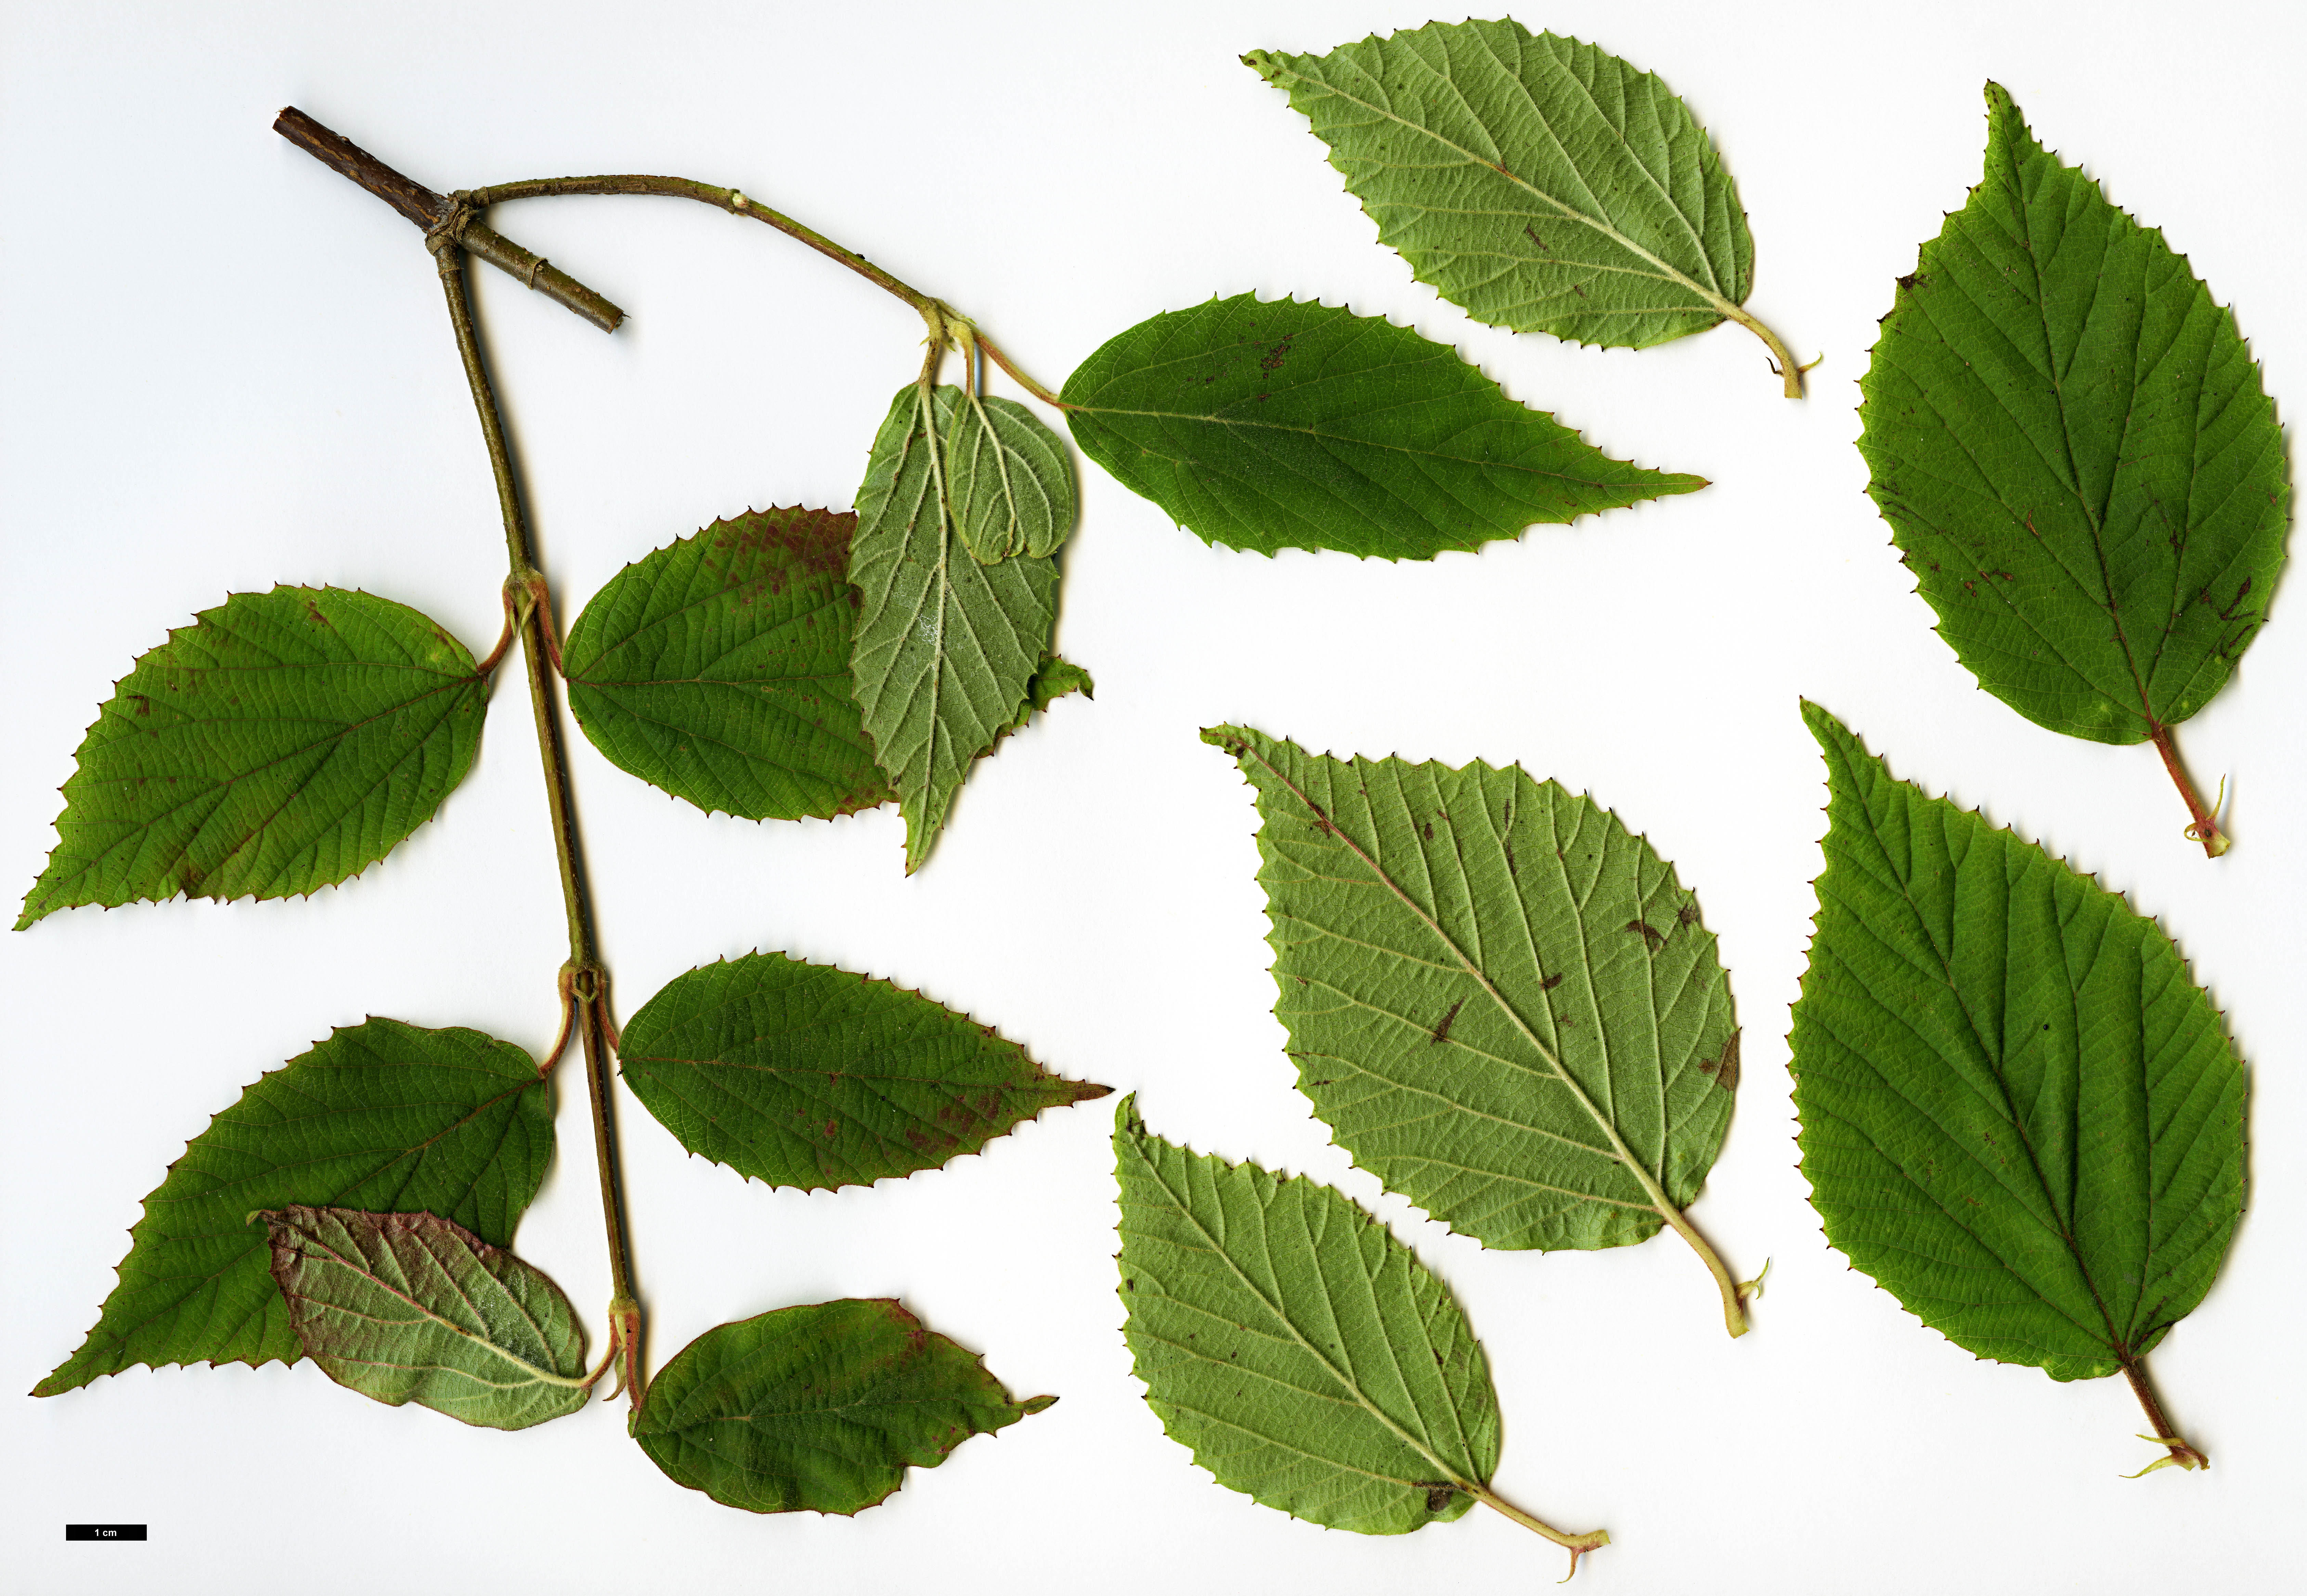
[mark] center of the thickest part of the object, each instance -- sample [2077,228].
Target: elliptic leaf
[2018,1115]
[410,1307]
[1283,424]
[718,668]
[2071,445]
[380,1116]
[1307,1358]
[1540,182]
[946,647]
[819,1408]
[281,743]
[1012,484]
[803,1075]
[1502,1001]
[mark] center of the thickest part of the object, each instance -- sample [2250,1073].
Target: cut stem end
[1577,1546]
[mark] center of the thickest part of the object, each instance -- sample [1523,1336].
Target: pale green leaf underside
[2018,1115]
[1541,184]
[382,1116]
[2074,453]
[281,743]
[1282,424]
[946,647]
[1502,1001]
[1012,484]
[410,1307]
[819,1408]
[1307,1357]
[803,1075]
[717,668]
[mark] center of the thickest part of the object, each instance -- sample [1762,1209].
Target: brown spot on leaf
[1551,982]
[1725,1067]
[831,1128]
[1426,830]
[761,551]
[1275,356]
[2229,612]
[1687,915]
[1437,1497]
[1650,933]
[1442,1031]
[1535,239]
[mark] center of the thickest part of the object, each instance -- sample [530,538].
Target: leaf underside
[2074,453]
[1503,1004]
[1307,1357]
[817,1408]
[1011,482]
[946,648]
[717,668]
[803,1075]
[281,743]
[1284,425]
[382,1116]
[1541,184]
[410,1307]
[2018,1115]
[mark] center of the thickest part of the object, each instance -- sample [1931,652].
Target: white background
[222,366]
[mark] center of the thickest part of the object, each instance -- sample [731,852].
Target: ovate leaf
[1282,424]
[2071,445]
[382,1116]
[281,743]
[1539,182]
[1307,1358]
[2018,1115]
[803,1075]
[1012,485]
[717,668]
[410,1307]
[946,647]
[819,1407]
[1502,1002]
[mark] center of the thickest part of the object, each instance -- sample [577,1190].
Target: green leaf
[803,1075]
[1539,182]
[380,1116]
[1307,1358]
[410,1307]
[819,1408]
[1283,424]
[1502,1001]
[1057,677]
[946,648]
[282,743]
[718,668]
[1012,485]
[2018,1115]
[2074,453]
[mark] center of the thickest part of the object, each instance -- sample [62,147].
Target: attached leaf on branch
[803,1075]
[2018,1115]
[717,668]
[411,1307]
[380,1116]
[2071,443]
[282,743]
[1541,184]
[1284,425]
[1011,483]
[819,1408]
[1306,1357]
[1502,1001]
[946,647]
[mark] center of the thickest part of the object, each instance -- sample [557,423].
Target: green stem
[1788,370]
[737,203]
[584,976]
[1578,1546]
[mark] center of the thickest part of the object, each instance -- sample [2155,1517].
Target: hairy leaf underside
[1283,424]
[817,1408]
[803,1075]
[1502,1001]
[717,668]
[382,1116]
[2071,443]
[1541,184]
[281,743]
[2018,1115]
